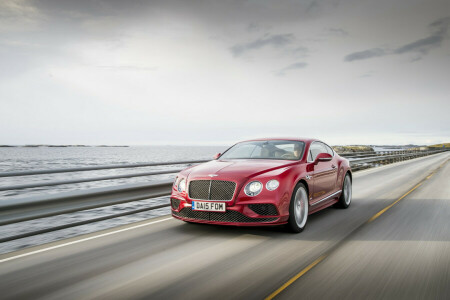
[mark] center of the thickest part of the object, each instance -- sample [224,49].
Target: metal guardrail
[79,223]
[61,182]
[92,179]
[99,167]
[377,153]
[357,163]
[29,208]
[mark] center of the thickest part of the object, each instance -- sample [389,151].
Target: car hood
[237,170]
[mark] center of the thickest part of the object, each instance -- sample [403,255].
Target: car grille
[175,203]
[212,190]
[264,209]
[228,216]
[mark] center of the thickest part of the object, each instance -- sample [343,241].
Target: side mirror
[217,155]
[323,157]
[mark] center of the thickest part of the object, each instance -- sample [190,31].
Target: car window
[256,152]
[246,150]
[276,149]
[317,148]
[310,156]
[329,149]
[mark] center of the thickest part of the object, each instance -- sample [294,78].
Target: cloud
[367,74]
[421,47]
[337,31]
[301,51]
[18,15]
[276,40]
[294,66]
[313,6]
[129,68]
[375,52]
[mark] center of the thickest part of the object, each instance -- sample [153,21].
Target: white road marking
[82,240]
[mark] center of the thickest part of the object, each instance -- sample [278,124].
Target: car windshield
[277,149]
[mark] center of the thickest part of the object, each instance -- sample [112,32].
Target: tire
[298,209]
[346,196]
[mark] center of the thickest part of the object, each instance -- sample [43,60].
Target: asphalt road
[402,253]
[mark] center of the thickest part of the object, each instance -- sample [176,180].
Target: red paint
[323,178]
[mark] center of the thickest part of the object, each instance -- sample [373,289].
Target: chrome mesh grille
[228,216]
[222,190]
[188,213]
[199,189]
[212,190]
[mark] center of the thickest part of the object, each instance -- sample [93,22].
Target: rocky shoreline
[353,148]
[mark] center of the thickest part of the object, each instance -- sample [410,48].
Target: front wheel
[346,195]
[298,209]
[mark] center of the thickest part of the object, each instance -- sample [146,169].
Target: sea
[47,158]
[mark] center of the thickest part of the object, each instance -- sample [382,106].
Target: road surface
[402,252]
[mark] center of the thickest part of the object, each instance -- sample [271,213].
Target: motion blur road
[401,253]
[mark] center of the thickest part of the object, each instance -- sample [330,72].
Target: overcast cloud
[421,47]
[277,40]
[214,72]
[295,66]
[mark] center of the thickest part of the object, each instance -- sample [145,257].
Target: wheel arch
[302,180]
[349,172]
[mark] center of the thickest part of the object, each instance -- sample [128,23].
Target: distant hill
[352,148]
[432,147]
[444,145]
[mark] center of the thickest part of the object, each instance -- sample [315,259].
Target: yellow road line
[300,274]
[392,204]
[317,261]
[406,194]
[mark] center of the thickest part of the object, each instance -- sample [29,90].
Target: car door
[334,167]
[324,173]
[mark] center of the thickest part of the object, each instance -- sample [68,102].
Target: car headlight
[272,185]
[253,188]
[182,185]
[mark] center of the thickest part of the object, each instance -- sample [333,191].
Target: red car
[263,182]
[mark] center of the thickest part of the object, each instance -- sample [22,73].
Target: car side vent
[175,203]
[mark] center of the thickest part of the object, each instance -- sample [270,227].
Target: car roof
[306,140]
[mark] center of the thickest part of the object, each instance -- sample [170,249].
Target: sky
[215,72]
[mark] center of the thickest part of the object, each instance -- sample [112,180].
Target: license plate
[208,206]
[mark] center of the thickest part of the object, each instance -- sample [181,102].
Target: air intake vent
[229,216]
[264,209]
[175,203]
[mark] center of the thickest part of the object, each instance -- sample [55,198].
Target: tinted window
[287,150]
[310,156]
[329,149]
[317,148]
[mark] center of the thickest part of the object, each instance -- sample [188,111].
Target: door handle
[333,166]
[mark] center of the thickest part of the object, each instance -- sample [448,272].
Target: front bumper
[236,215]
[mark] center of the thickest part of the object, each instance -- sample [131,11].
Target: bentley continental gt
[263,182]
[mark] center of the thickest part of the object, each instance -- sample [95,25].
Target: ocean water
[37,158]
